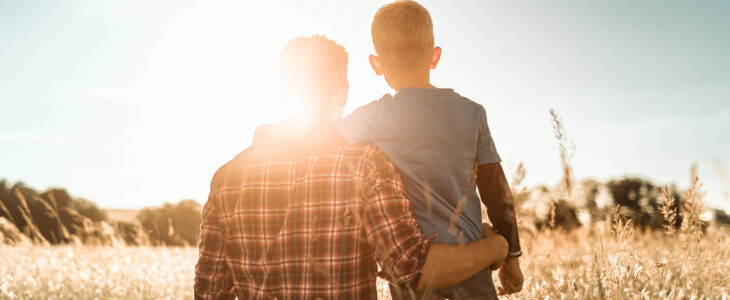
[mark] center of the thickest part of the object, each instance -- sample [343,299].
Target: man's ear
[375,63]
[435,57]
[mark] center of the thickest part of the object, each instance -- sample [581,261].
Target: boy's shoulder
[465,99]
[374,107]
[437,93]
[389,99]
[473,105]
[409,103]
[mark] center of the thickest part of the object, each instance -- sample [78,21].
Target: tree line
[55,217]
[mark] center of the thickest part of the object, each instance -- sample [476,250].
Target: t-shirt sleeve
[361,125]
[390,227]
[486,150]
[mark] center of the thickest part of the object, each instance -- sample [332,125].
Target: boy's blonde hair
[402,33]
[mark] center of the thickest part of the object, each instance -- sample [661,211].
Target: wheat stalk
[566,148]
[669,212]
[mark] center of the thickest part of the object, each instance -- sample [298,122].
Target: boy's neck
[419,80]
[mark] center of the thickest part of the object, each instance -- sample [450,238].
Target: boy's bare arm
[447,265]
[497,197]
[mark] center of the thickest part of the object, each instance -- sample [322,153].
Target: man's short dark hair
[313,64]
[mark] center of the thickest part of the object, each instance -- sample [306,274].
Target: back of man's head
[313,73]
[402,34]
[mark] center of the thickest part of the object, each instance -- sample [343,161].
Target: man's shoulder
[224,170]
[360,151]
[364,148]
[262,132]
[371,154]
[357,153]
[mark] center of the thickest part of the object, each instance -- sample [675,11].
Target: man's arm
[212,278]
[447,265]
[497,197]
[408,259]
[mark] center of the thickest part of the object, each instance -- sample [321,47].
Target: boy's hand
[489,231]
[510,277]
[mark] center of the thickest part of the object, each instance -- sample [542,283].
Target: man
[301,214]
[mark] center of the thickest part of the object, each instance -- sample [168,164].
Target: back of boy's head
[402,34]
[313,68]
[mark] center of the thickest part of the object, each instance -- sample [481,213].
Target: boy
[436,138]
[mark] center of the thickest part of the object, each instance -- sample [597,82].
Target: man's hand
[489,231]
[510,277]
[447,265]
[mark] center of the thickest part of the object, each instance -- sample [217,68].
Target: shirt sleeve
[400,246]
[486,150]
[361,125]
[212,277]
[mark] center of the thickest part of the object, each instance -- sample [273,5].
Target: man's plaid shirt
[306,218]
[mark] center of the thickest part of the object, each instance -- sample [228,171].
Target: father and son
[319,206]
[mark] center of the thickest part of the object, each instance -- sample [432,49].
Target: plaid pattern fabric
[286,225]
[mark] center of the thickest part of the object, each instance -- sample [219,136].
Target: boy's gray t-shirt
[434,137]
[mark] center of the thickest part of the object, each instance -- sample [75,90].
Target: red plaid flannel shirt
[307,223]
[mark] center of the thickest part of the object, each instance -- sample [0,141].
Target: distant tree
[641,199]
[186,220]
[5,194]
[17,205]
[72,220]
[4,188]
[172,224]
[132,233]
[47,221]
[721,217]
[60,196]
[562,215]
[9,233]
[632,192]
[89,209]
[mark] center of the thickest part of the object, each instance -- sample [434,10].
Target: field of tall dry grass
[588,263]
[605,259]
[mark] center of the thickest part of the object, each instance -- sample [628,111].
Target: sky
[133,103]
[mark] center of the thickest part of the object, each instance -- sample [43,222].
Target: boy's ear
[375,64]
[435,57]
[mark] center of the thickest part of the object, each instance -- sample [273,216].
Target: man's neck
[304,123]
